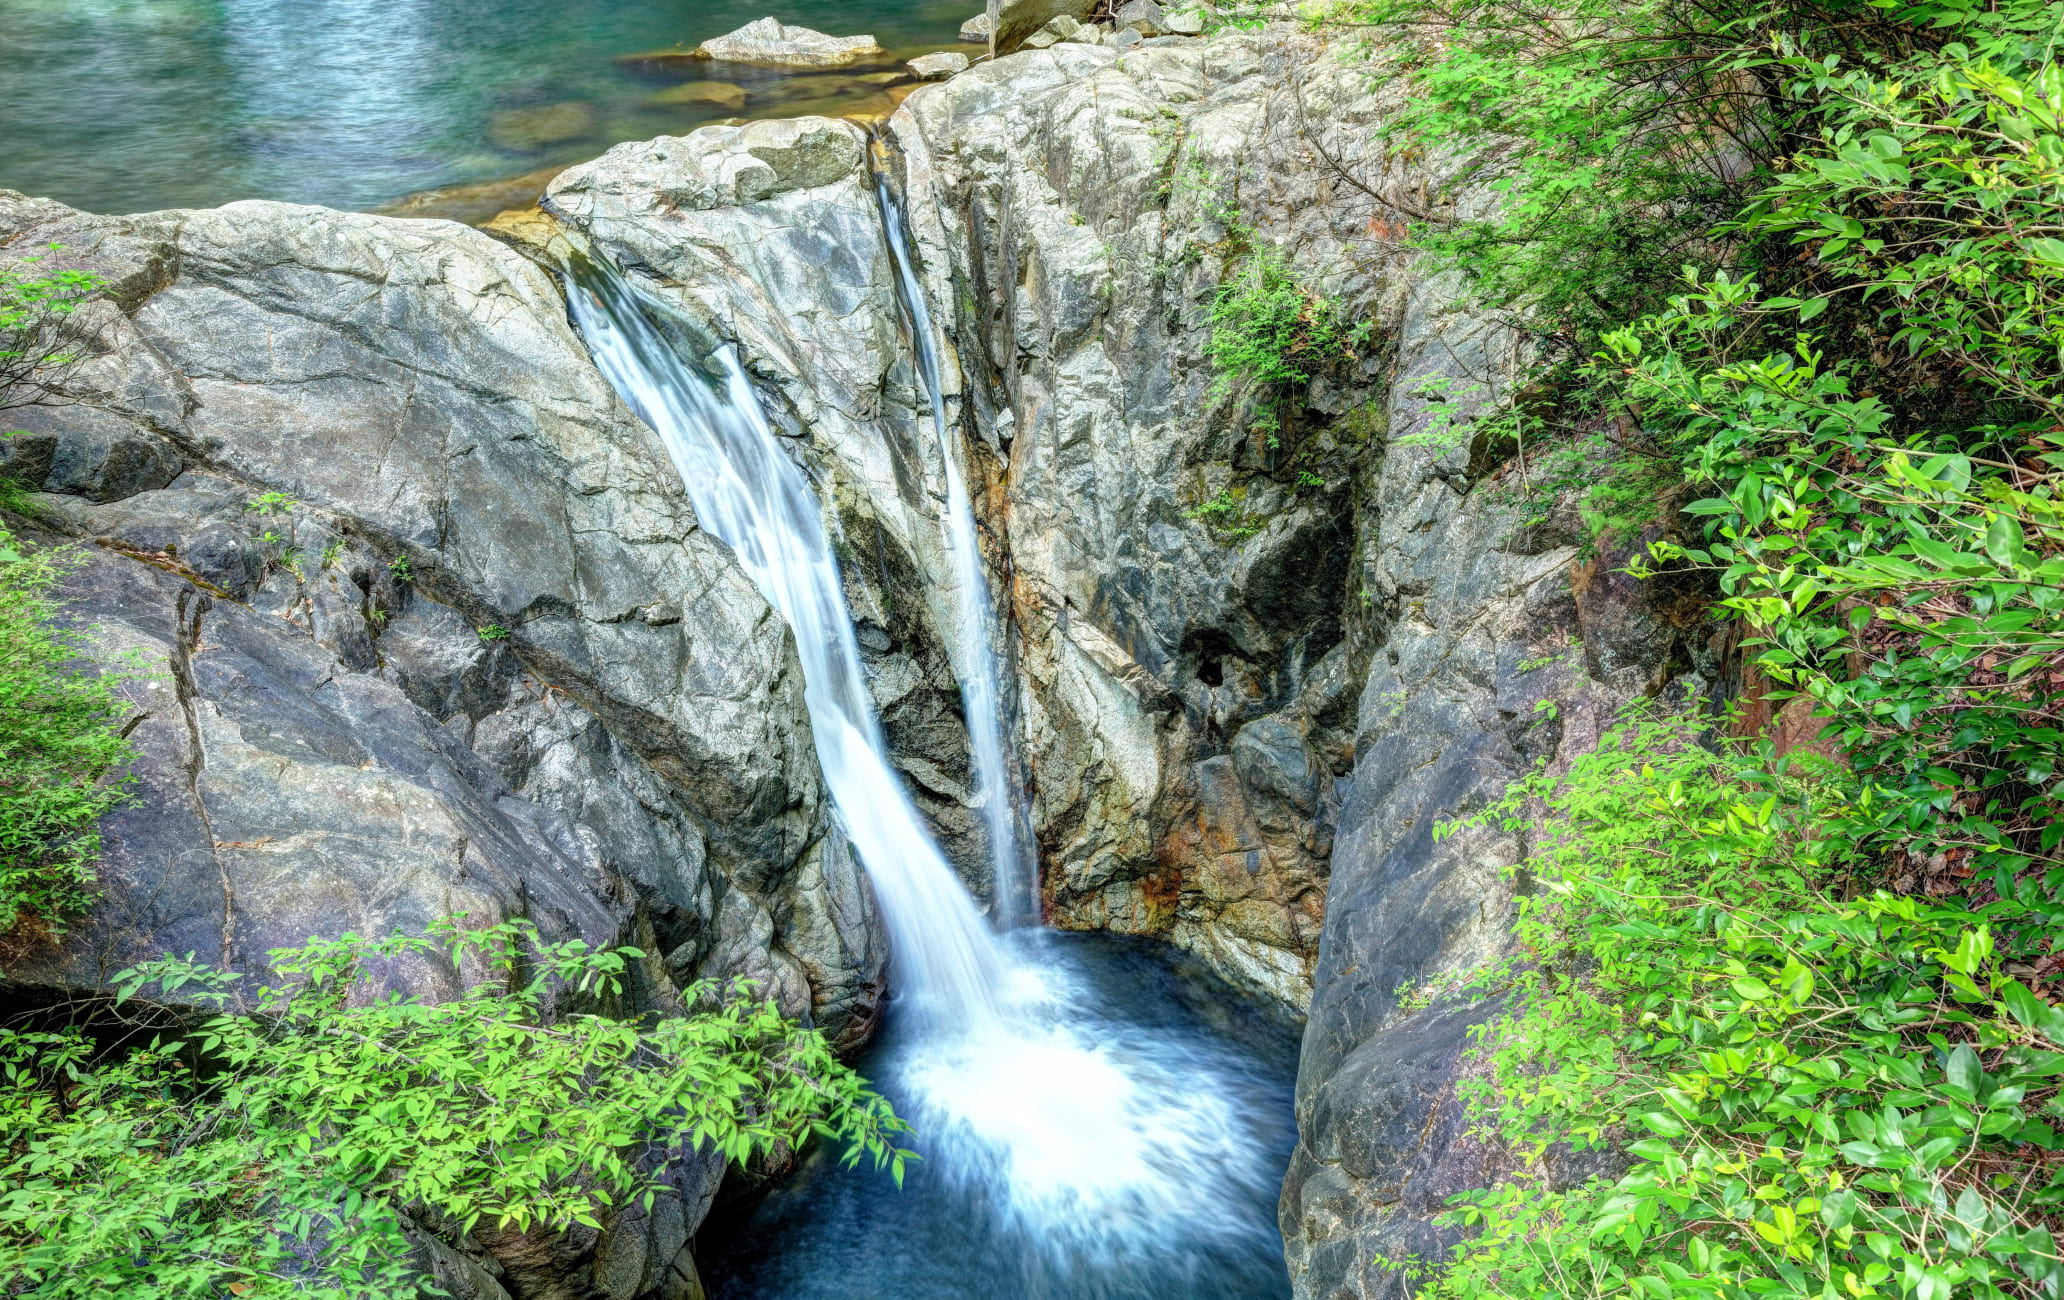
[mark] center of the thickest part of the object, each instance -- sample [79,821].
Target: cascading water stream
[1078,1143]
[755,499]
[1016,878]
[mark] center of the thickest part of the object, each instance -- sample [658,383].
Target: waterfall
[752,497]
[1015,871]
[1098,1145]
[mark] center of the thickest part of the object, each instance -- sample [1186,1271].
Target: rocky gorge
[430,625]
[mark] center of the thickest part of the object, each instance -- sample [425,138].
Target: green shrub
[39,332]
[61,746]
[1817,1095]
[1268,328]
[268,1154]
[1912,585]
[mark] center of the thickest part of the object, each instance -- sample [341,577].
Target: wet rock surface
[768,237]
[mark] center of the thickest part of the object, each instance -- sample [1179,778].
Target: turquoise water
[133,105]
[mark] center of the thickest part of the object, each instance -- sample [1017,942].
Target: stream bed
[1158,1180]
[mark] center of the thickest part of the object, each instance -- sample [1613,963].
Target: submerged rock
[477,203]
[770,43]
[721,93]
[528,130]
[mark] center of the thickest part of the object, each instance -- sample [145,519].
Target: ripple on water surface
[1123,1135]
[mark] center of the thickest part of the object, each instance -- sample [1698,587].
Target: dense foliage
[271,1151]
[1792,280]
[1815,1094]
[61,747]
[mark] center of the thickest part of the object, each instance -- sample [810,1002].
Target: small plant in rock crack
[273,504]
[41,329]
[1307,479]
[1223,513]
[284,553]
[1572,651]
[399,568]
[1269,425]
[1268,328]
[494,632]
[332,551]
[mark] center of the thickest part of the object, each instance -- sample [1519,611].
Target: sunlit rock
[770,43]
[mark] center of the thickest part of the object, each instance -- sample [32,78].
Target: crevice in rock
[186,642]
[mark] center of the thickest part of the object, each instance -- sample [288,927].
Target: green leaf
[2004,543]
[1752,989]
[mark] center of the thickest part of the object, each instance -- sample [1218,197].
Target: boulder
[1019,19]
[477,203]
[1060,29]
[1187,22]
[939,66]
[332,744]
[770,43]
[1142,16]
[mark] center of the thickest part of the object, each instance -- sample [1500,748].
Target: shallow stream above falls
[1132,1151]
[138,105]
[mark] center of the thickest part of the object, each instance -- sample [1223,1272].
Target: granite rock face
[1179,573]
[311,457]
[1480,671]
